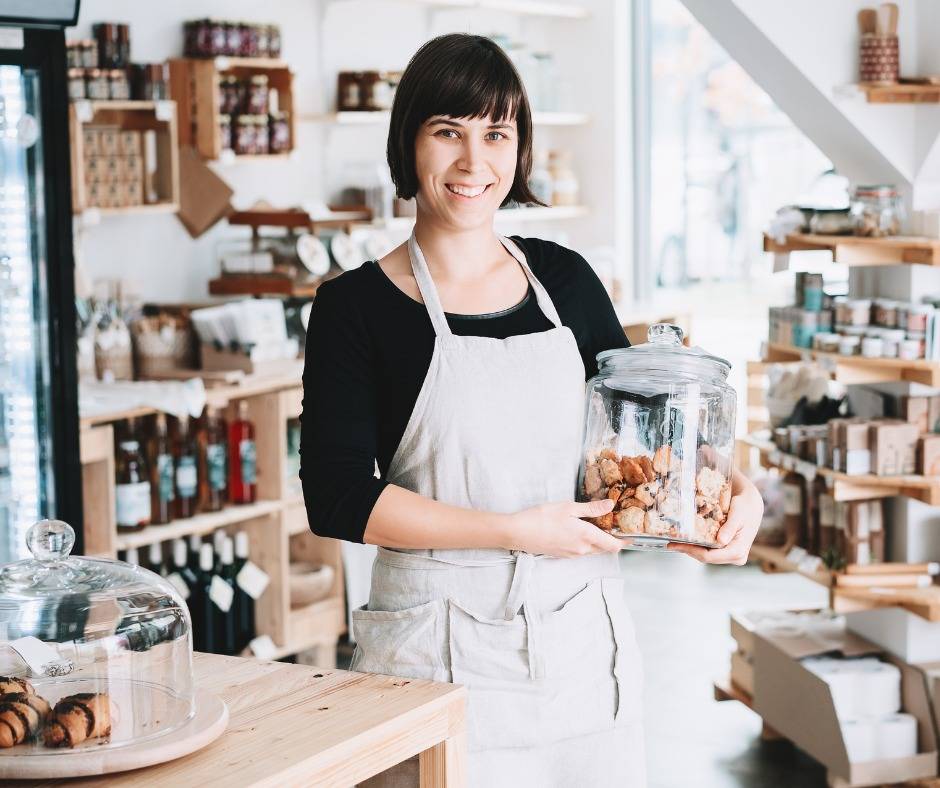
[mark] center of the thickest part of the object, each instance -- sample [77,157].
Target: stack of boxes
[114,167]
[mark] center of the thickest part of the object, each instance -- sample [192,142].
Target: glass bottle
[187,475]
[195,545]
[155,559]
[244,604]
[213,481]
[242,458]
[206,611]
[132,488]
[164,482]
[226,620]
[182,569]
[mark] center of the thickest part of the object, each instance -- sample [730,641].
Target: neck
[457,254]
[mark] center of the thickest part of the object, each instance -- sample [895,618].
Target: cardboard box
[896,399]
[129,143]
[898,631]
[915,410]
[894,449]
[109,141]
[134,191]
[933,414]
[928,455]
[913,530]
[91,138]
[798,704]
[856,448]
[742,672]
[217,360]
[133,167]
[204,196]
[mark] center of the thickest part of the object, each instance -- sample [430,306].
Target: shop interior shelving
[855,250]
[194,84]
[859,369]
[276,523]
[902,93]
[159,116]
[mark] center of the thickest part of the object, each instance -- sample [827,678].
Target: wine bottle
[208,611]
[131,557]
[187,474]
[244,604]
[184,580]
[132,485]
[242,486]
[195,546]
[227,621]
[163,485]
[213,482]
[218,539]
[181,564]
[155,559]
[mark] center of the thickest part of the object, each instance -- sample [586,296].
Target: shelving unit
[855,250]
[903,93]
[858,369]
[276,523]
[194,84]
[158,116]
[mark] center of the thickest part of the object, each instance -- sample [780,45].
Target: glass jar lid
[664,351]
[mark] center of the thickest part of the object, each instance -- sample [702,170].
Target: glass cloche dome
[106,646]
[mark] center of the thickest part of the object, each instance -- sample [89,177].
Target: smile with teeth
[467,191]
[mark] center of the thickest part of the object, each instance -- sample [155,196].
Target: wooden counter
[293,725]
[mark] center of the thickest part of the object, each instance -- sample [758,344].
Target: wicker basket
[162,344]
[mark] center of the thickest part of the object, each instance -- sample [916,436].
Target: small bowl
[309,583]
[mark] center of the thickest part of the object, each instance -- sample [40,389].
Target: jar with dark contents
[89,51]
[261,32]
[124,46]
[274,41]
[225,131]
[228,95]
[109,52]
[243,137]
[97,87]
[348,93]
[256,99]
[119,89]
[249,40]
[279,133]
[233,38]
[149,81]
[217,38]
[261,135]
[76,78]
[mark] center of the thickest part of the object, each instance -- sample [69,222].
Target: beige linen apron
[545,646]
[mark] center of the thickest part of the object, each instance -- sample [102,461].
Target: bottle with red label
[243,473]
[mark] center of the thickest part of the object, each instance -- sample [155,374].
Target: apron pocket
[407,643]
[491,658]
[628,662]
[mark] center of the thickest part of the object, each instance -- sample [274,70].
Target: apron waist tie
[518,600]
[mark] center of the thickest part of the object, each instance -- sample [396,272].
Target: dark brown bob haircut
[462,76]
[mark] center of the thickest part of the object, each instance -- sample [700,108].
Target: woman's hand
[555,529]
[737,534]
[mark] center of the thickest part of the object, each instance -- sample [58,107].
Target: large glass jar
[109,640]
[877,211]
[659,441]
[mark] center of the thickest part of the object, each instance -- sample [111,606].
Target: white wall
[320,37]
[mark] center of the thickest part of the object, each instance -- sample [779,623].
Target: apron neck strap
[428,290]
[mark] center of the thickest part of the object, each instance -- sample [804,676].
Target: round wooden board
[208,723]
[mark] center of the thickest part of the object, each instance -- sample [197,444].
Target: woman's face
[465,167]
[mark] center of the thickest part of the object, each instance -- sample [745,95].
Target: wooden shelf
[225,63]
[382,118]
[142,210]
[201,524]
[858,369]
[856,251]
[261,284]
[774,559]
[904,93]
[847,487]
[726,689]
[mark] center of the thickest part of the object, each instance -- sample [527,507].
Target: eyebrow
[456,125]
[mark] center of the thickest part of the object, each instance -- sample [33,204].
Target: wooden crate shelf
[157,116]
[194,84]
[858,369]
[856,251]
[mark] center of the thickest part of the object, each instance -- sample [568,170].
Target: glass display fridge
[40,471]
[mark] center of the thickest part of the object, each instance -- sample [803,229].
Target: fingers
[735,553]
[592,508]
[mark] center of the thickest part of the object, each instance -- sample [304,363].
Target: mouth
[464,192]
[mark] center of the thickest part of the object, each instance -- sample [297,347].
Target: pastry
[21,716]
[78,718]
[12,684]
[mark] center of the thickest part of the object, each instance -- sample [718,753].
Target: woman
[458,363]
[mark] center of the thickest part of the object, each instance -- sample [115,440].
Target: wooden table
[293,725]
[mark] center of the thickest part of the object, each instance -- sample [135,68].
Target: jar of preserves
[249,40]
[89,50]
[119,88]
[243,135]
[877,211]
[256,97]
[274,41]
[233,38]
[73,54]
[348,92]
[97,87]
[216,37]
[228,95]
[279,133]
[149,81]
[109,47]
[76,78]
[261,33]
[261,146]
[659,441]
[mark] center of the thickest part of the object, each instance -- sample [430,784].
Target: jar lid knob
[665,334]
[50,540]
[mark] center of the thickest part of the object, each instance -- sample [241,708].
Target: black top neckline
[485,316]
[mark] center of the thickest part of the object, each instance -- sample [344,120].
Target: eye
[496,135]
[444,132]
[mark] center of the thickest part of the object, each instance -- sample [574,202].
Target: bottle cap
[228,552]
[205,558]
[241,544]
[155,554]
[195,542]
[217,539]
[179,553]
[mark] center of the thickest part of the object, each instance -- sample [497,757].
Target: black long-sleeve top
[368,350]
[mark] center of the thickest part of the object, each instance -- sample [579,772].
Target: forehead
[483,122]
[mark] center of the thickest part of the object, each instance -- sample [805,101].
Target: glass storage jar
[659,441]
[108,640]
[877,211]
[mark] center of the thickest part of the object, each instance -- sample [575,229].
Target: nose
[472,155]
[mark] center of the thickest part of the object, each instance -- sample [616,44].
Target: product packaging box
[109,141]
[799,704]
[928,455]
[898,631]
[855,440]
[894,448]
[910,402]
[129,143]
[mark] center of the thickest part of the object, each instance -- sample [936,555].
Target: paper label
[263,647]
[221,593]
[176,580]
[792,500]
[252,580]
[165,477]
[83,111]
[43,659]
[246,453]
[132,503]
[215,465]
[186,477]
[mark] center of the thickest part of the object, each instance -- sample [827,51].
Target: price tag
[176,580]
[164,110]
[252,580]
[221,593]
[83,110]
[43,659]
[263,647]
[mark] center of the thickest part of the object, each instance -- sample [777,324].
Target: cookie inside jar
[659,442]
